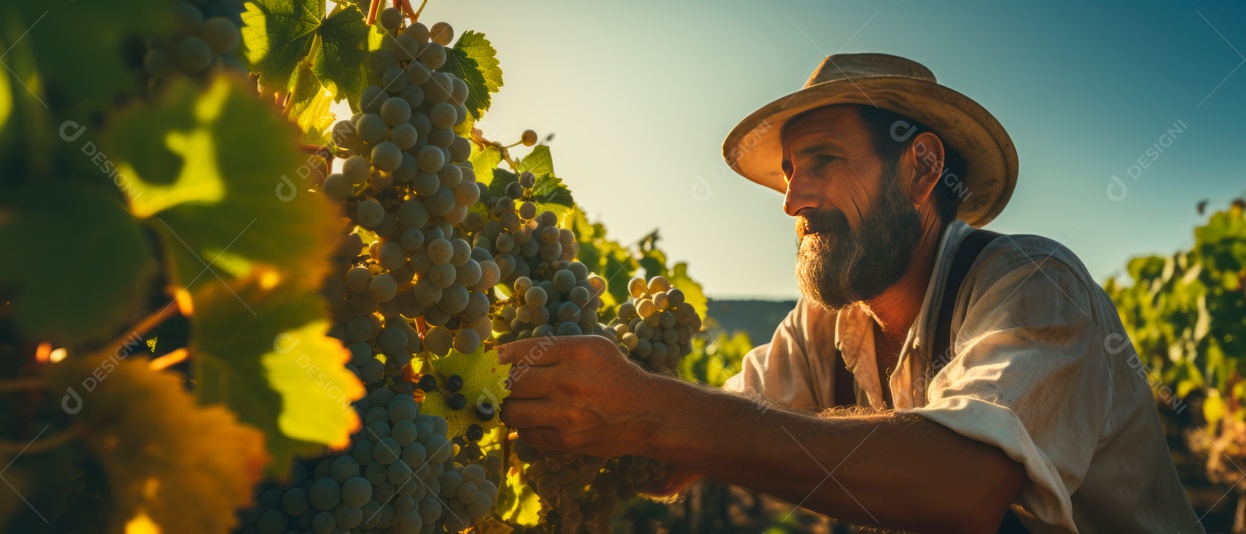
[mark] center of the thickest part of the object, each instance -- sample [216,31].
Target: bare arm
[579,394]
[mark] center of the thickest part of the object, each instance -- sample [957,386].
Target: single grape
[386,156]
[371,98]
[456,401]
[438,340]
[193,55]
[390,18]
[441,33]
[371,128]
[338,187]
[454,383]
[221,34]
[466,340]
[433,56]
[427,382]
[369,213]
[528,138]
[325,494]
[395,110]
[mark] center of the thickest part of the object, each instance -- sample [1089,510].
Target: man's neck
[897,307]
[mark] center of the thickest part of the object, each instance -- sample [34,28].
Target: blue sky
[640,95]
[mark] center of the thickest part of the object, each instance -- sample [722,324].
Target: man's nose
[802,193]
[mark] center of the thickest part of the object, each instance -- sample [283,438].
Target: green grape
[438,341]
[338,187]
[440,203]
[395,110]
[451,176]
[528,138]
[440,251]
[193,55]
[454,298]
[295,502]
[418,31]
[425,184]
[442,33]
[438,87]
[433,56]
[417,73]
[369,213]
[442,115]
[371,128]
[371,98]
[443,276]
[564,281]
[430,159]
[221,34]
[466,340]
[392,341]
[458,92]
[383,287]
[390,19]
[325,494]
[386,156]
[407,47]
[394,80]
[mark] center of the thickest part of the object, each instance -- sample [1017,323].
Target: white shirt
[1041,370]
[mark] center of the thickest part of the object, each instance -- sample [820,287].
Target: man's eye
[823,159]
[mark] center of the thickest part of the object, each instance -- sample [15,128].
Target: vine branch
[21,384]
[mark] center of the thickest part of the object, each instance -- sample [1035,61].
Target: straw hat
[902,86]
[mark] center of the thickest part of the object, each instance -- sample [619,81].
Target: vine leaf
[277,35]
[262,351]
[99,71]
[518,504]
[484,161]
[550,192]
[310,109]
[211,174]
[484,380]
[180,466]
[46,248]
[474,60]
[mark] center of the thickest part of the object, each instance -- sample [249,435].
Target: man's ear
[922,166]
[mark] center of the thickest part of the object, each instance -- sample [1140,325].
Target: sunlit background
[641,94]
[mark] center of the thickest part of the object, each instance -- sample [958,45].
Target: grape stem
[141,329]
[20,384]
[416,16]
[42,445]
[405,7]
[376,4]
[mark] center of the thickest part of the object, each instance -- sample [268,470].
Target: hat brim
[754,150]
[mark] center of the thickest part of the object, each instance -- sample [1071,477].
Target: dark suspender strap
[969,249]
[845,384]
[941,352]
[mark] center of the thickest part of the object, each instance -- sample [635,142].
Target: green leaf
[342,53]
[280,34]
[311,107]
[550,193]
[484,380]
[232,198]
[76,262]
[484,161]
[537,162]
[78,48]
[262,351]
[276,36]
[518,504]
[473,60]
[693,294]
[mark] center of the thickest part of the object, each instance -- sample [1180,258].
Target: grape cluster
[404,184]
[398,476]
[656,326]
[207,32]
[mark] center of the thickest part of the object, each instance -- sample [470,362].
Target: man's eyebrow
[820,147]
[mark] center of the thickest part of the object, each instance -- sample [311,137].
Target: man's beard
[837,266]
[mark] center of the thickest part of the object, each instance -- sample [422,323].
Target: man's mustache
[821,222]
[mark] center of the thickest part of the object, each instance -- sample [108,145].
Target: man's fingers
[541,438]
[534,382]
[529,413]
[531,352]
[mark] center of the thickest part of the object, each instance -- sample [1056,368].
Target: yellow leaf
[172,465]
[484,380]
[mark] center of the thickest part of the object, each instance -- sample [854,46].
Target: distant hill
[757,317]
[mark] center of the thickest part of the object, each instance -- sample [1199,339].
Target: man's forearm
[878,470]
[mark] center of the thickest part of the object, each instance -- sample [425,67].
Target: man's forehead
[838,124]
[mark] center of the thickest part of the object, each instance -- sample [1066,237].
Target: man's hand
[577,394]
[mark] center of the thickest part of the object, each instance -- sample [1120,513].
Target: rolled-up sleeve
[1028,376]
[784,371]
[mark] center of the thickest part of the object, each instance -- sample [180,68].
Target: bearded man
[988,396]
